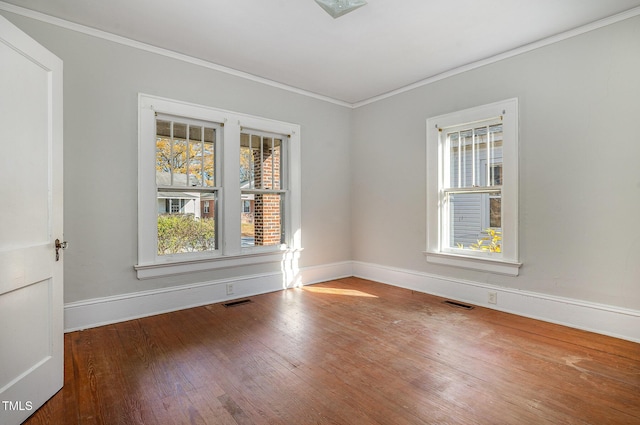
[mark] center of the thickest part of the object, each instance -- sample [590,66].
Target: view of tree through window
[186,179]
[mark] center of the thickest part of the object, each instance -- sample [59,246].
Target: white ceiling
[381,47]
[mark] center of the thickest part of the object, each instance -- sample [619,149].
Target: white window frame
[438,249]
[230,253]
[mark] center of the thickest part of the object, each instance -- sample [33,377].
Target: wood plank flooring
[350,352]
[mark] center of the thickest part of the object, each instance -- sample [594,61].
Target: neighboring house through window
[193,226]
[472,188]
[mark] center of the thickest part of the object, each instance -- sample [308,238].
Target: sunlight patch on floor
[338,291]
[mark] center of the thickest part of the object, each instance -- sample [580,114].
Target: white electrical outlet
[229,288]
[493,298]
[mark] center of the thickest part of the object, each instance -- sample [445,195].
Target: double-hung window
[216,188]
[472,188]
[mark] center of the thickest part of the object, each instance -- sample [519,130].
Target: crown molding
[18,10]
[631,13]
[83,29]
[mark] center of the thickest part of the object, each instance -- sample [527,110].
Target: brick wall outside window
[267,210]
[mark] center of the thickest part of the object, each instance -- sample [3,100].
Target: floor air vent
[236,303]
[459,305]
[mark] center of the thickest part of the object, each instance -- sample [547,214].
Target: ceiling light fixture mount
[337,8]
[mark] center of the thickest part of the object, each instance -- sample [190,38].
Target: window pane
[263,224]
[480,156]
[495,211]
[461,155]
[179,155]
[196,150]
[453,144]
[495,155]
[246,162]
[247,220]
[163,153]
[208,174]
[269,165]
[186,222]
[495,175]
[470,216]
[260,162]
[184,162]
[473,156]
[465,219]
[179,131]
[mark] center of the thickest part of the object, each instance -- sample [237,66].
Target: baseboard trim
[106,310]
[599,318]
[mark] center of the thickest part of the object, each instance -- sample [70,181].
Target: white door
[31,304]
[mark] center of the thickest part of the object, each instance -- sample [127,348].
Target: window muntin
[185,180]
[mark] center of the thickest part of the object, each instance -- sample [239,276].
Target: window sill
[485,264]
[178,267]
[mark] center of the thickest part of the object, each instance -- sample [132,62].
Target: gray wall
[101,83]
[579,167]
[579,172]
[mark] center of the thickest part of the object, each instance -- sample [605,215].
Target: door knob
[59,246]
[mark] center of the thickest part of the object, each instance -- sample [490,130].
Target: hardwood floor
[349,352]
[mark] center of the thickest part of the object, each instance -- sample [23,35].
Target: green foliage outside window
[183,233]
